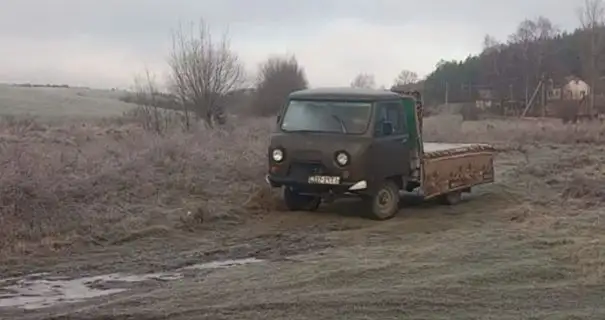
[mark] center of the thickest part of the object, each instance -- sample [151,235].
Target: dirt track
[528,246]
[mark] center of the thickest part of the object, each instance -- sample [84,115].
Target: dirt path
[515,249]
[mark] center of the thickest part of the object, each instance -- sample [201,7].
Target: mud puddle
[40,290]
[221,264]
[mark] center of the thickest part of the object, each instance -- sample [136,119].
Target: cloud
[104,43]
[347,47]
[76,61]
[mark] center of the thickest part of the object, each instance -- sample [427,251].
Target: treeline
[513,68]
[206,76]
[207,79]
[35,85]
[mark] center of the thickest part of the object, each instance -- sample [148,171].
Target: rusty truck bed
[450,167]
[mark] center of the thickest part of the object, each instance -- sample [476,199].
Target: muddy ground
[526,247]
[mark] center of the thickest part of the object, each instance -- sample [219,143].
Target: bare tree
[592,20]
[524,37]
[546,29]
[203,71]
[494,64]
[277,78]
[406,77]
[147,95]
[364,80]
[531,36]
[490,44]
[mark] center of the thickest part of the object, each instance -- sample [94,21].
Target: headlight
[277,155]
[342,158]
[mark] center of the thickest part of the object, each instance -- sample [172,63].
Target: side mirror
[387,128]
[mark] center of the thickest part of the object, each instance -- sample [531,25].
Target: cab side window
[389,112]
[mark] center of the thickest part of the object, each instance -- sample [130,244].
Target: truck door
[390,154]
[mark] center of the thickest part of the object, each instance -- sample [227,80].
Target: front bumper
[345,186]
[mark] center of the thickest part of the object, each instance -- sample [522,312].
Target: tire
[451,198]
[384,204]
[297,202]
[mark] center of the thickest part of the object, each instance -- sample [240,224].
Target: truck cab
[335,142]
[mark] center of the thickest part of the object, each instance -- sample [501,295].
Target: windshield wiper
[302,131]
[342,123]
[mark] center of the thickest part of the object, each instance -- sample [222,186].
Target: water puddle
[221,264]
[37,291]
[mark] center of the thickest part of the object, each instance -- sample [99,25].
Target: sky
[106,43]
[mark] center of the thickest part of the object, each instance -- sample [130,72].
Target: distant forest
[536,49]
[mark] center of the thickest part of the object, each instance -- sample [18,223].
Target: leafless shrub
[157,120]
[278,77]
[405,77]
[87,182]
[364,80]
[152,116]
[203,71]
[162,100]
[592,21]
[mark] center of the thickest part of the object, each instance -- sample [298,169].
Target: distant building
[487,99]
[575,89]
[571,97]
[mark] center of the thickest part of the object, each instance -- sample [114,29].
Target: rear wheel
[384,204]
[298,202]
[451,198]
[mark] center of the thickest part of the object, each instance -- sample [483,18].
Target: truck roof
[346,93]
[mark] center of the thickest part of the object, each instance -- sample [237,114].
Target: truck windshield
[347,117]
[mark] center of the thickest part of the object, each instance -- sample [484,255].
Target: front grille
[302,171]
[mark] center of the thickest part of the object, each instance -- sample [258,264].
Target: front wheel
[298,202]
[384,204]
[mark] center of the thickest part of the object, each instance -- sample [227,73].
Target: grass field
[102,196]
[60,103]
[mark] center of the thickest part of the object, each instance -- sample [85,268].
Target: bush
[278,78]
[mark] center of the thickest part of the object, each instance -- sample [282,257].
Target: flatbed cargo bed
[436,149]
[450,167]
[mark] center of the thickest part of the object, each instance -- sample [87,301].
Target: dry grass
[60,103]
[451,128]
[102,181]
[112,182]
[98,181]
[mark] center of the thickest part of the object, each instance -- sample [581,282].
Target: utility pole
[543,98]
[526,91]
[447,95]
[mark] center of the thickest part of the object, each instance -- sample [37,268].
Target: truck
[332,143]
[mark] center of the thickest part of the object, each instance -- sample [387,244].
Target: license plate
[324,180]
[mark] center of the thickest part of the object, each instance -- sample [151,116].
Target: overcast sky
[103,43]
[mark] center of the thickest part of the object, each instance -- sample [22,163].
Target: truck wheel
[297,202]
[384,204]
[451,198]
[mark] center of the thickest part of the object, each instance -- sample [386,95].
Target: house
[487,99]
[575,89]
